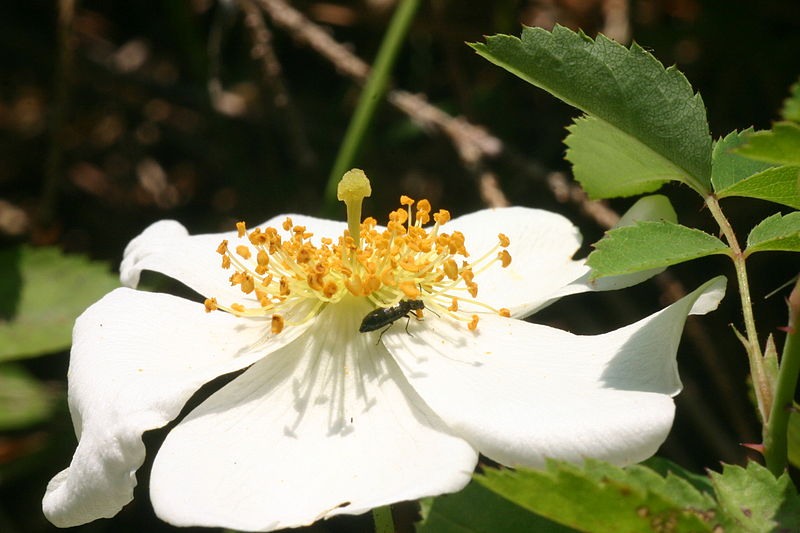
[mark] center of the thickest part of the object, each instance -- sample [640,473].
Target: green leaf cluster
[645,126]
[599,497]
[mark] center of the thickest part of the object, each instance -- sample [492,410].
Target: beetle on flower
[324,420]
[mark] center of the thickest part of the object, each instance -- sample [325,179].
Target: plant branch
[775,442]
[761,384]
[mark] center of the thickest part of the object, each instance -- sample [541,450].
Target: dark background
[111,126]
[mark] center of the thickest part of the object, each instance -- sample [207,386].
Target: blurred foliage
[110,125]
[52,289]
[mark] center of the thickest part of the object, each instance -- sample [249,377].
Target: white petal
[136,358]
[521,392]
[542,246]
[167,247]
[325,426]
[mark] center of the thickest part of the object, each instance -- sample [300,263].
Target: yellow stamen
[287,279]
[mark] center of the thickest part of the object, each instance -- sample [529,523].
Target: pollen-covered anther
[442,217]
[472,287]
[504,257]
[473,324]
[210,304]
[277,324]
[284,286]
[241,229]
[409,289]
[222,249]
[247,284]
[504,241]
[243,251]
[453,306]
[504,312]
[226,261]
[238,308]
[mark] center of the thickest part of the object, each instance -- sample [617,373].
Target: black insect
[386,316]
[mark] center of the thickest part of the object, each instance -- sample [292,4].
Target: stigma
[280,270]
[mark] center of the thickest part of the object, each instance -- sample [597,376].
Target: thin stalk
[775,445]
[383,519]
[763,388]
[372,94]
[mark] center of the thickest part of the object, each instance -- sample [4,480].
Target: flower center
[403,262]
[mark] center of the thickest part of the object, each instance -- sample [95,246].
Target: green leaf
[791,106]
[23,401]
[728,167]
[665,467]
[777,233]
[793,436]
[626,88]
[608,163]
[650,245]
[477,509]
[604,498]
[778,184]
[780,145]
[42,292]
[753,500]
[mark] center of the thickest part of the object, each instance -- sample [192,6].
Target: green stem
[761,384]
[372,94]
[775,445]
[383,519]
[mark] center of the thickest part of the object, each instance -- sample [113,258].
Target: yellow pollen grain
[223,247]
[504,312]
[442,216]
[330,289]
[504,241]
[277,324]
[453,306]
[387,277]
[505,258]
[473,324]
[450,269]
[409,289]
[243,251]
[472,287]
[371,285]
[284,286]
[241,229]
[353,284]
[210,304]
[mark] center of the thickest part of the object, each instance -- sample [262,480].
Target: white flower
[326,420]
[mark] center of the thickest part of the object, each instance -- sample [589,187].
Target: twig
[272,74]
[59,106]
[472,142]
